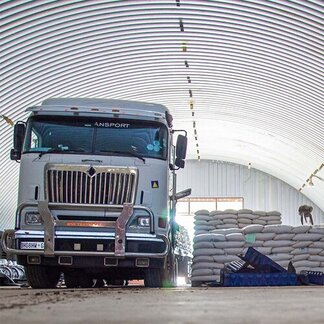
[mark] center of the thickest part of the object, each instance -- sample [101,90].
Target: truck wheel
[71,280]
[153,278]
[41,277]
[86,281]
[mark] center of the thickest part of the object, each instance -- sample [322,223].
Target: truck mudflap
[46,239]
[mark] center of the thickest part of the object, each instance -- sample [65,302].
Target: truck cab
[97,192]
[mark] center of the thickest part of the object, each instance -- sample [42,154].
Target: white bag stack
[212,251]
[206,221]
[214,245]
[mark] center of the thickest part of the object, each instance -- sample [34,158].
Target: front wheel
[42,277]
[71,280]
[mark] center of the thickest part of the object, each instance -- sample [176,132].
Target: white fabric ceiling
[245,78]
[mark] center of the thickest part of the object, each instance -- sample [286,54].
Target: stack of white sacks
[215,245]
[205,221]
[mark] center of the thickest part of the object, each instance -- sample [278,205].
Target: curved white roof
[245,78]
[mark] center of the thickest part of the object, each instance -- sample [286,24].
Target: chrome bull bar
[8,238]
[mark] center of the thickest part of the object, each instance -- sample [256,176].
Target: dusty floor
[177,305]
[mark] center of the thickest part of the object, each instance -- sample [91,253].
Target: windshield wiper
[124,153]
[57,150]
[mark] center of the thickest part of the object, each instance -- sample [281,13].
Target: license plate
[32,245]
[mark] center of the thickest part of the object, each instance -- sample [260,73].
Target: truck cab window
[91,135]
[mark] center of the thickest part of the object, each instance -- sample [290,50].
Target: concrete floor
[176,305]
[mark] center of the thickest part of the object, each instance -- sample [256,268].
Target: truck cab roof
[101,106]
[105,103]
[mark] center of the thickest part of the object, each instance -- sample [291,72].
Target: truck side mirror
[181,151]
[19,135]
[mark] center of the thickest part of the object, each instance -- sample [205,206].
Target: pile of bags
[303,245]
[206,221]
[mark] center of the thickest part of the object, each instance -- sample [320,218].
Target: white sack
[306,263]
[203,252]
[225,216]
[307,237]
[282,249]
[265,236]
[278,229]
[318,244]
[281,243]
[226,226]
[302,244]
[203,245]
[230,221]
[203,228]
[260,213]
[215,222]
[202,212]
[205,278]
[209,237]
[207,265]
[245,211]
[201,232]
[278,222]
[270,218]
[229,244]
[225,231]
[259,221]
[202,258]
[319,258]
[280,257]
[248,216]
[317,229]
[297,251]
[253,228]
[273,213]
[235,237]
[300,257]
[201,222]
[285,236]
[202,272]
[301,229]
[233,251]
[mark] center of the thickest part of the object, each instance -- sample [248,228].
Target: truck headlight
[33,218]
[143,221]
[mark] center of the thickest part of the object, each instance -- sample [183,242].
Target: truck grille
[90,185]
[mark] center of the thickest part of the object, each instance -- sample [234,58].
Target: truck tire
[86,281]
[153,278]
[71,280]
[74,279]
[41,277]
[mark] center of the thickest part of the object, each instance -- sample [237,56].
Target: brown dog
[305,213]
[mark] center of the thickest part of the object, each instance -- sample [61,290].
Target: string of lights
[189,81]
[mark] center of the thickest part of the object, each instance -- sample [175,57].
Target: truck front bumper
[54,240]
[84,244]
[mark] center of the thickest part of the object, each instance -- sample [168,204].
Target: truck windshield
[96,135]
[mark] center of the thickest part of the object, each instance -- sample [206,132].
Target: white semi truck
[97,192]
